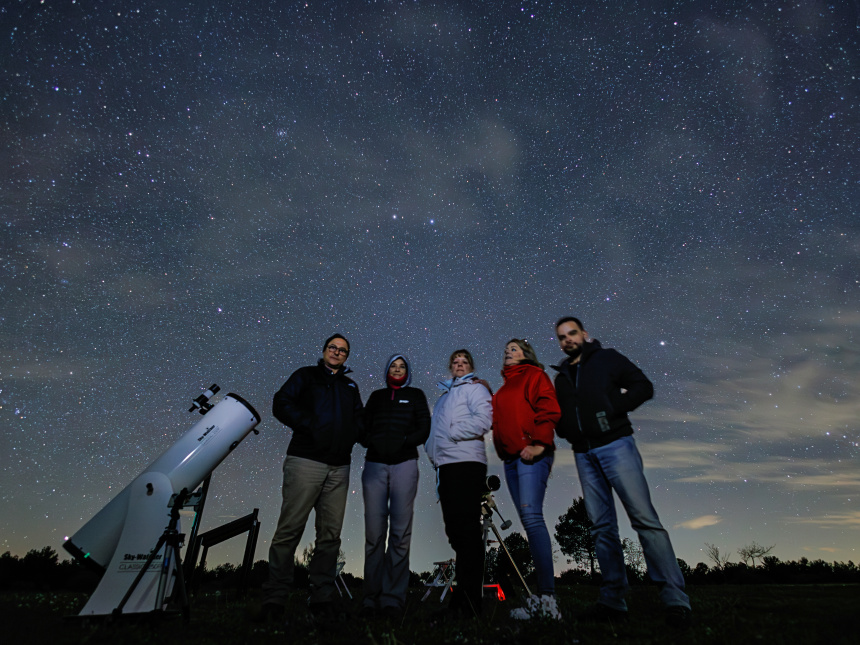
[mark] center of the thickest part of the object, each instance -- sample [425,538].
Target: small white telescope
[119,539]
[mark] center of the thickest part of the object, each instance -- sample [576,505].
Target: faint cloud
[750,51]
[564,458]
[493,149]
[48,368]
[699,522]
[680,453]
[797,385]
[850,519]
[795,473]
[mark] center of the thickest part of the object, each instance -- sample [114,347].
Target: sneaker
[520,613]
[678,616]
[543,606]
[600,613]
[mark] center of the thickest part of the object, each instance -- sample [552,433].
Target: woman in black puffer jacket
[397,421]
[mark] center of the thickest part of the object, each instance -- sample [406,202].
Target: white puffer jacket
[461,418]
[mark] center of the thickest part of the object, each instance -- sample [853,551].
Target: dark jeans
[461,486]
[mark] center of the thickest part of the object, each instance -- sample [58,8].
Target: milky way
[202,194]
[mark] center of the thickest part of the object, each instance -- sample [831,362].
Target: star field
[203,194]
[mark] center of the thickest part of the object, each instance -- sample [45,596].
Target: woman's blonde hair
[528,351]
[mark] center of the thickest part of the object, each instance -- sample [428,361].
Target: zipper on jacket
[575,391]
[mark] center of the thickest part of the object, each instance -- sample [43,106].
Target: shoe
[544,606]
[270,612]
[679,617]
[521,613]
[600,613]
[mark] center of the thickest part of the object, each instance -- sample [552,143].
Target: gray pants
[389,496]
[323,488]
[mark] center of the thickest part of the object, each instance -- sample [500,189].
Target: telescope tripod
[171,539]
[487,507]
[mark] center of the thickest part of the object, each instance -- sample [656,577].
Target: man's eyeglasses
[334,349]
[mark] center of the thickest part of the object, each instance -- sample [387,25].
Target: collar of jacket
[448,384]
[517,368]
[587,350]
[344,370]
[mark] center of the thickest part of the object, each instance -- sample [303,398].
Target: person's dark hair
[332,337]
[465,354]
[528,350]
[572,319]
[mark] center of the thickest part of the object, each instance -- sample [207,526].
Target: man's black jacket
[324,410]
[593,407]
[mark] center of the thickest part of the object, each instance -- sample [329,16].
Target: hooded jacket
[324,411]
[593,406]
[525,410]
[396,420]
[461,418]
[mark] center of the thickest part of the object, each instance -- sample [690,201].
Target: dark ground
[722,614]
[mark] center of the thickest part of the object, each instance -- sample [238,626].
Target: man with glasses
[323,407]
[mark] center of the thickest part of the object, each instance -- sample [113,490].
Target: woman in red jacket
[525,411]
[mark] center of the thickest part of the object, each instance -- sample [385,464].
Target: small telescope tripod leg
[510,558]
[180,583]
[172,538]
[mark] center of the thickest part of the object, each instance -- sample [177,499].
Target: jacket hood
[388,365]
[587,350]
[450,383]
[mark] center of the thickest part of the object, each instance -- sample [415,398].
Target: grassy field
[768,614]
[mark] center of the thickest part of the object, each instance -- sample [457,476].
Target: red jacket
[525,410]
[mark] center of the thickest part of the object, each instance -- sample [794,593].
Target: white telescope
[119,538]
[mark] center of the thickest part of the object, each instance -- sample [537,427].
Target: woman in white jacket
[461,418]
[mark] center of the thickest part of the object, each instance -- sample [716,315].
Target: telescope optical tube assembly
[118,539]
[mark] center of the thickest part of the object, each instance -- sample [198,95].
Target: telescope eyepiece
[201,403]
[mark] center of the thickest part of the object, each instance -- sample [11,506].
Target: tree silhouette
[720,561]
[497,563]
[754,550]
[634,558]
[573,534]
[686,571]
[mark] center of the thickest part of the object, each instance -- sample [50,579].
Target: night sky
[202,194]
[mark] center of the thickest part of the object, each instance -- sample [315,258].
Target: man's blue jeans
[618,466]
[527,484]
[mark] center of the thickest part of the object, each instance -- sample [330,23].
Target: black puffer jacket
[396,421]
[593,407]
[324,410]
